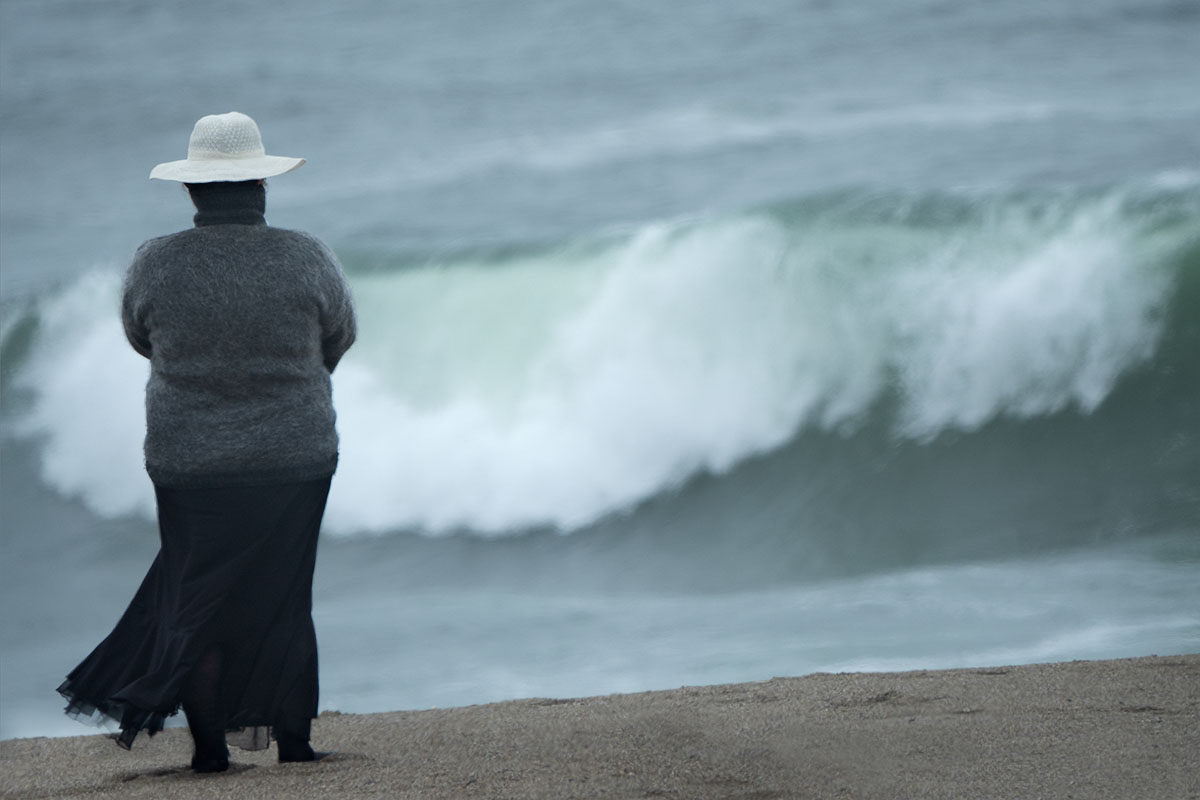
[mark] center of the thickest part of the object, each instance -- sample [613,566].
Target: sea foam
[553,388]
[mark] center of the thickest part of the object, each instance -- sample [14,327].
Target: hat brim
[224,169]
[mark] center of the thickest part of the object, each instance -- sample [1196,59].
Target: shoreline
[1123,728]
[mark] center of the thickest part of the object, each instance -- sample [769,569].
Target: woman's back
[242,323]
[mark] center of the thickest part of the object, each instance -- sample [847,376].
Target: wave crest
[554,388]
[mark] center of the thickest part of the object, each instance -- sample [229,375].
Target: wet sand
[1123,729]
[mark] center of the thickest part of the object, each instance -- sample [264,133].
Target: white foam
[553,389]
[1019,321]
[698,347]
[90,414]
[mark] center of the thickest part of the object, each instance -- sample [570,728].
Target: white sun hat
[225,147]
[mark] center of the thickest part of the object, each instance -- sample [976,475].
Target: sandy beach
[1098,729]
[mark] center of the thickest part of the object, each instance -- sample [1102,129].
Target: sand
[1097,729]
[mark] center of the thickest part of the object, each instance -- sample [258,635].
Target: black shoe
[293,745]
[210,764]
[311,755]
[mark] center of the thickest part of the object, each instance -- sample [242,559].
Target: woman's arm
[133,305]
[339,327]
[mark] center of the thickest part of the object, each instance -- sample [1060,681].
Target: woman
[242,323]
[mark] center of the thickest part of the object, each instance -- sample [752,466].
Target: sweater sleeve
[338,325]
[133,305]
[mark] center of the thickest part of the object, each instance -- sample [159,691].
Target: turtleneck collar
[229,203]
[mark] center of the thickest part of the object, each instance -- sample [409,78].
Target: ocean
[701,342]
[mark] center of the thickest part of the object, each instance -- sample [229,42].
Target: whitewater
[551,388]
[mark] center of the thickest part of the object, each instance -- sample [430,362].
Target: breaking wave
[501,391]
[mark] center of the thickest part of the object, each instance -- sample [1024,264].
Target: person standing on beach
[243,324]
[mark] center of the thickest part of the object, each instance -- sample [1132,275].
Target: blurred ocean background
[700,341]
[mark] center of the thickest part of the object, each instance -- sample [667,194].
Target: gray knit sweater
[242,324]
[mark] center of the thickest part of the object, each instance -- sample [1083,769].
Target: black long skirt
[234,571]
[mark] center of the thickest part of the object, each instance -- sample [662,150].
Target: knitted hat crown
[225,147]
